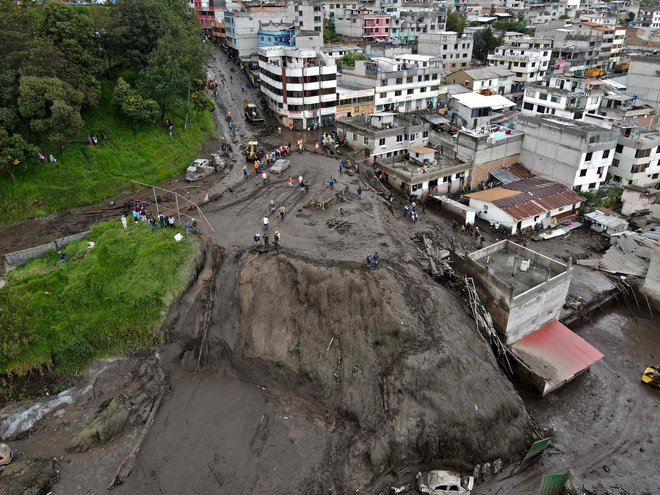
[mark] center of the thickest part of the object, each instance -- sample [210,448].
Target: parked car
[444,483]
[280,166]
[651,376]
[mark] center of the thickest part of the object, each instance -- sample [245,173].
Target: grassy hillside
[104,301]
[87,174]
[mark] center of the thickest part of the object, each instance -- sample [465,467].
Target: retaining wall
[17,258]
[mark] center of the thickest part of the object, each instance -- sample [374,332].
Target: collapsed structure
[524,292]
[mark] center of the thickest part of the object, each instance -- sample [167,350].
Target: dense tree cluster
[55,56]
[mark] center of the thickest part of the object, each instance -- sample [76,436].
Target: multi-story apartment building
[403,83]
[636,157]
[602,18]
[486,80]
[612,44]
[573,51]
[275,34]
[649,18]
[242,26]
[300,86]
[352,102]
[205,12]
[454,49]
[642,79]
[384,135]
[572,152]
[542,11]
[407,26]
[363,24]
[527,58]
[567,97]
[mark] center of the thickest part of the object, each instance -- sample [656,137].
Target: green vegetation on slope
[86,174]
[108,300]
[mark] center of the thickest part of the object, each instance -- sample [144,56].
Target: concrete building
[274,34]
[205,12]
[612,44]
[574,153]
[486,80]
[407,26]
[636,157]
[567,97]
[539,12]
[300,86]
[454,49]
[642,79]
[382,136]
[522,289]
[242,26]
[363,24]
[404,83]
[527,58]
[494,148]
[636,199]
[525,204]
[649,18]
[473,110]
[353,102]
[339,50]
[334,7]
[574,51]
[617,107]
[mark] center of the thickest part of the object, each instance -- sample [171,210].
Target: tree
[142,23]
[121,92]
[349,58]
[15,152]
[202,101]
[630,17]
[139,110]
[51,106]
[456,22]
[484,43]
[72,34]
[109,31]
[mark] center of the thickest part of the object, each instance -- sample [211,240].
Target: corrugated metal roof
[555,353]
[504,176]
[519,171]
[524,209]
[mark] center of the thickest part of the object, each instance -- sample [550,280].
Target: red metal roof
[525,209]
[555,353]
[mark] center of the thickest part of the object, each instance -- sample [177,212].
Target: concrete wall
[487,156]
[642,80]
[652,281]
[17,258]
[516,317]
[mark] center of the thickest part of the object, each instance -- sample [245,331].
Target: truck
[251,112]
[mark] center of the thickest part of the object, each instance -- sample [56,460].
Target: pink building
[376,26]
[363,24]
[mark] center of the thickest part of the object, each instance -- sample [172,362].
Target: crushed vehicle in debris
[444,482]
[201,167]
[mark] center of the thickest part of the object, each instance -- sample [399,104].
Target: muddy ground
[298,370]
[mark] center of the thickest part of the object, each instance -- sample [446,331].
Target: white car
[444,483]
[280,166]
[198,169]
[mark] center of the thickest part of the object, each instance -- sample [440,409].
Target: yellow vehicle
[595,72]
[252,151]
[651,377]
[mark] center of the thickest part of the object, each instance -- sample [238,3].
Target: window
[381,142]
[399,80]
[409,79]
[383,95]
[592,185]
[354,137]
[413,137]
[606,153]
[397,92]
[399,138]
[643,153]
[425,134]
[365,140]
[583,172]
[588,157]
[528,106]
[619,148]
[615,163]
[410,91]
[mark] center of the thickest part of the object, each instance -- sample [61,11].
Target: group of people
[265,238]
[410,211]
[140,214]
[212,86]
[46,157]
[372,260]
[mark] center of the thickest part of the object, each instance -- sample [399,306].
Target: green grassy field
[87,174]
[104,301]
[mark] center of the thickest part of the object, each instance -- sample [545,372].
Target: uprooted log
[438,259]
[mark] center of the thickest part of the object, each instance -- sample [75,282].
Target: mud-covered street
[298,370]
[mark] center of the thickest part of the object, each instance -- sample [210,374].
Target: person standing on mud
[245,172]
[264,178]
[359,192]
[276,239]
[257,239]
[265,224]
[281,211]
[266,240]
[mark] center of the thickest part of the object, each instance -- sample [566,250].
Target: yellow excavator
[251,112]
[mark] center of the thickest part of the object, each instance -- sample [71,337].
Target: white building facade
[527,58]
[636,158]
[300,86]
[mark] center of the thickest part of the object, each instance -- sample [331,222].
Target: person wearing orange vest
[256,168]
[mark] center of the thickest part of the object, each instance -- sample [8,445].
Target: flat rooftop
[411,172]
[504,261]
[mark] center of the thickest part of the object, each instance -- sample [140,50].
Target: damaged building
[524,291]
